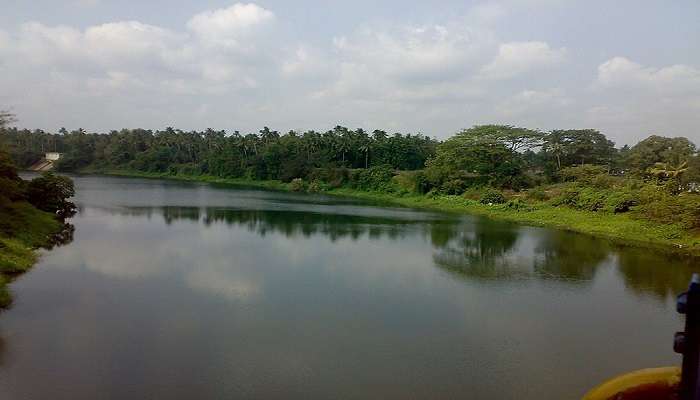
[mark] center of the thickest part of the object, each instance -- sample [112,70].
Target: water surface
[175,290]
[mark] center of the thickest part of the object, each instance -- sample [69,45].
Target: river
[174,290]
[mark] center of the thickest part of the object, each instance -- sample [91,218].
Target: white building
[53,156]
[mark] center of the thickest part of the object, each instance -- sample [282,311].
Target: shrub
[514,182]
[190,169]
[375,178]
[334,177]
[317,186]
[473,192]
[590,199]
[50,193]
[593,199]
[492,196]
[412,182]
[584,174]
[568,197]
[657,205]
[295,168]
[454,186]
[518,205]
[297,185]
[604,181]
[538,194]
[621,200]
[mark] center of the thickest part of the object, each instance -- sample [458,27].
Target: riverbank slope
[23,229]
[619,227]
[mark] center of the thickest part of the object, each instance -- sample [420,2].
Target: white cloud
[516,58]
[416,54]
[228,26]
[629,95]
[133,54]
[115,42]
[534,101]
[86,3]
[40,44]
[621,72]
[307,63]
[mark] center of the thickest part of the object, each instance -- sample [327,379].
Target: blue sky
[628,68]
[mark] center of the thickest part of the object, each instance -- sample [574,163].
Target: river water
[173,290]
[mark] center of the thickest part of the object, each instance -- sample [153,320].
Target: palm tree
[668,171]
[557,150]
[365,148]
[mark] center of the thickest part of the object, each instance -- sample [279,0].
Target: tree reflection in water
[489,252]
[3,350]
[480,252]
[567,256]
[475,248]
[647,272]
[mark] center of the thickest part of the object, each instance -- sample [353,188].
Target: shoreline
[20,252]
[620,228]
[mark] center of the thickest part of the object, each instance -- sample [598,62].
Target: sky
[626,68]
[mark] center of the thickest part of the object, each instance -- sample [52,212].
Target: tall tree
[659,149]
[578,146]
[486,151]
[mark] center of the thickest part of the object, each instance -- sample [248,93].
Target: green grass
[21,221]
[15,256]
[618,227]
[23,228]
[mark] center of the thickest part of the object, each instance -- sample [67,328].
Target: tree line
[265,155]
[501,156]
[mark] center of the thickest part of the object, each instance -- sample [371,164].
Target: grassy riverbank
[619,227]
[23,229]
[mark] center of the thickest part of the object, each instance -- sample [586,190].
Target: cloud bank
[243,66]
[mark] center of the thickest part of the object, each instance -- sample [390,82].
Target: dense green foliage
[267,155]
[50,192]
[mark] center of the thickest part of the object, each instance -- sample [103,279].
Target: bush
[50,193]
[412,182]
[296,168]
[568,197]
[297,185]
[334,177]
[514,182]
[658,205]
[473,192]
[593,199]
[589,199]
[377,178]
[518,205]
[454,186]
[584,174]
[153,160]
[492,196]
[537,194]
[189,169]
[622,200]
[317,186]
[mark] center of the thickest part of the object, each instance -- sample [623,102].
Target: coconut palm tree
[668,171]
